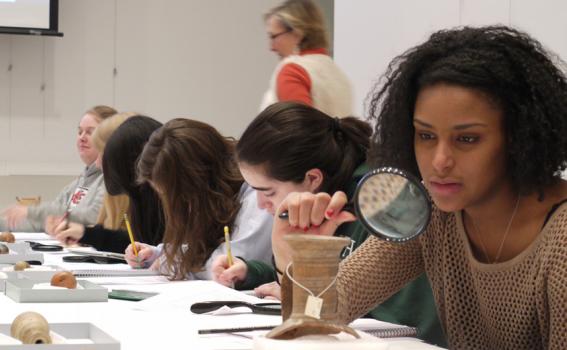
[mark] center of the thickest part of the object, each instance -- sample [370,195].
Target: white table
[165,324]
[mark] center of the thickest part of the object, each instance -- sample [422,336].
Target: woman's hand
[228,275]
[146,255]
[270,290]
[14,215]
[51,223]
[318,214]
[68,232]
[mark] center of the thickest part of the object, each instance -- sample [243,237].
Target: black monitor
[30,17]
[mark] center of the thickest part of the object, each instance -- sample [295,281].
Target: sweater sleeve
[258,273]
[555,295]
[293,84]
[85,212]
[35,219]
[105,239]
[373,273]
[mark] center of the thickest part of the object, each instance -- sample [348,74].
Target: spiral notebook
[373,327]
[115,273]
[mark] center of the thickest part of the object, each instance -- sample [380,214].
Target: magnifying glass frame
[412,180]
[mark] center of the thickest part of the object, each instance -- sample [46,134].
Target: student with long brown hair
[192,168]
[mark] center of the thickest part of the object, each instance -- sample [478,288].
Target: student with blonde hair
[111,215]
[82,198]
[119,160]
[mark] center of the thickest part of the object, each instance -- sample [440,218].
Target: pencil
[129,228]
[227,242]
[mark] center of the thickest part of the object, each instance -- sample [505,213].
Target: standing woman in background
[192,167]
[82,197]
[306,72]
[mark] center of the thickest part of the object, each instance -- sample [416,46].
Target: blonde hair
[111,214]
[105,129]
[102,112]
[305,18]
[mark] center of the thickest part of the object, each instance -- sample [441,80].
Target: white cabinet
[207,60]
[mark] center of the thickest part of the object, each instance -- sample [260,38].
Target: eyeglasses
[274,36]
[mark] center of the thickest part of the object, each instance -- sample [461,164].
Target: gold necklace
[499,252]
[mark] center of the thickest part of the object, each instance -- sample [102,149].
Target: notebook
[97,253]
[115,273]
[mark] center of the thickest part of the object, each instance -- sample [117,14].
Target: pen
[68,207]
[227,242]
[129,228]
[236,330]
[64,217]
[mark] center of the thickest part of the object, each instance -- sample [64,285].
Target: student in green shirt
[291,147]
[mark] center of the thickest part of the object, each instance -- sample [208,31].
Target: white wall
[45,186]
[369,33]
[207,60]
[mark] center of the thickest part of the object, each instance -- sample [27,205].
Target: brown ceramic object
[21,266]
[64,279]
[4,249]
[30,328]
[7,237]
[315,266]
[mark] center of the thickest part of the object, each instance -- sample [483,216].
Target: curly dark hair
[513,69]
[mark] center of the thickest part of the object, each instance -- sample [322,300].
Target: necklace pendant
[313,306]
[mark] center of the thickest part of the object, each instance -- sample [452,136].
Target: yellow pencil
[227,242]
[129,228]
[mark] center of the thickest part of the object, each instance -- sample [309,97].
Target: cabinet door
[369,35]
[207,60]
[78,75]
[26,100]
[5,77]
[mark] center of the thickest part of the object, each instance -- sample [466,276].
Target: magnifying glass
[392,204]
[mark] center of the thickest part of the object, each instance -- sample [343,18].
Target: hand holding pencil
[227,242]
[137,255]
[146,255]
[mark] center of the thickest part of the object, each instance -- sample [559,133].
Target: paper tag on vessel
[313,306]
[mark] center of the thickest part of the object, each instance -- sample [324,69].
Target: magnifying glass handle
[347,207]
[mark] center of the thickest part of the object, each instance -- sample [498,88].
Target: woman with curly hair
[192,168]
[480,115]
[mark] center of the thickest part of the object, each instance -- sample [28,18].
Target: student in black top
[119,169]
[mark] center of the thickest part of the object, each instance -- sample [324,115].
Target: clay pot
[4,249]
[64,279]
[21,266]
[7,237]
[30,328]
[315,266]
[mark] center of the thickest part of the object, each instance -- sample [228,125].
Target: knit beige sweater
[517,304]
